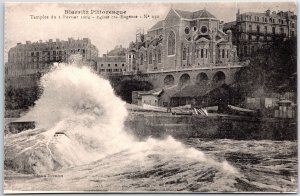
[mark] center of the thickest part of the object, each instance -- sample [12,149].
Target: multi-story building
[182,40]
[114,62]
[253,30]
[38,57]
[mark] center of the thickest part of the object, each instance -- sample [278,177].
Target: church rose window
[203,29]
[171,43]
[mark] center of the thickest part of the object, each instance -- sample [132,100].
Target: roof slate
[158,25]
[197,14]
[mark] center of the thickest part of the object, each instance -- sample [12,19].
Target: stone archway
[202,78]
[169,80]
[184,80]
[219,78]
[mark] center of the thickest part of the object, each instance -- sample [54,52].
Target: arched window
[223,53]
[184,54]
[159,56]
[150,58]
[142,58]
[171,43]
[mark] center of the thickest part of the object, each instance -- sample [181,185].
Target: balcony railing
[255,33]
[204,67]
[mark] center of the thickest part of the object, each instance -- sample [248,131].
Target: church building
[184,40]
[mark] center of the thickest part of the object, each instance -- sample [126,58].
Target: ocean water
[80,144]
[260,166]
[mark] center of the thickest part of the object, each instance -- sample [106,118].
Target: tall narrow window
[171,43]
[273,30]
[250,28]
[184,54]
[150,58]
[245,51]
[205,53]
[142,58]
[258,29]
[201,53]
[227,53]
[292,33]
[159,56]
[223,53]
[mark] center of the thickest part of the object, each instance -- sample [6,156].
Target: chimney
[274,12]
[28,42]
[50,40]
[268,12]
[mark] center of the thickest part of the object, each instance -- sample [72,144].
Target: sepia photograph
[150,97]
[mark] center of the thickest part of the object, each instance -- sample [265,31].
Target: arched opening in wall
[184,80]
[169,80]
[219,78]
[201,78]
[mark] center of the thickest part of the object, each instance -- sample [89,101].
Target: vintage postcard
[151,97]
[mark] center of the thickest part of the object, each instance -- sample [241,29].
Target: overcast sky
[105,34]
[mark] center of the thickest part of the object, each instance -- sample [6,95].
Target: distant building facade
[114,62]
[253,30]
[38,57]
[182,40]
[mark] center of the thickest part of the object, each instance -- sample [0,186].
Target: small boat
[212,109]
[182,113]
[241,111]
[154,108]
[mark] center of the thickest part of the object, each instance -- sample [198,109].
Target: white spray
[85,120]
